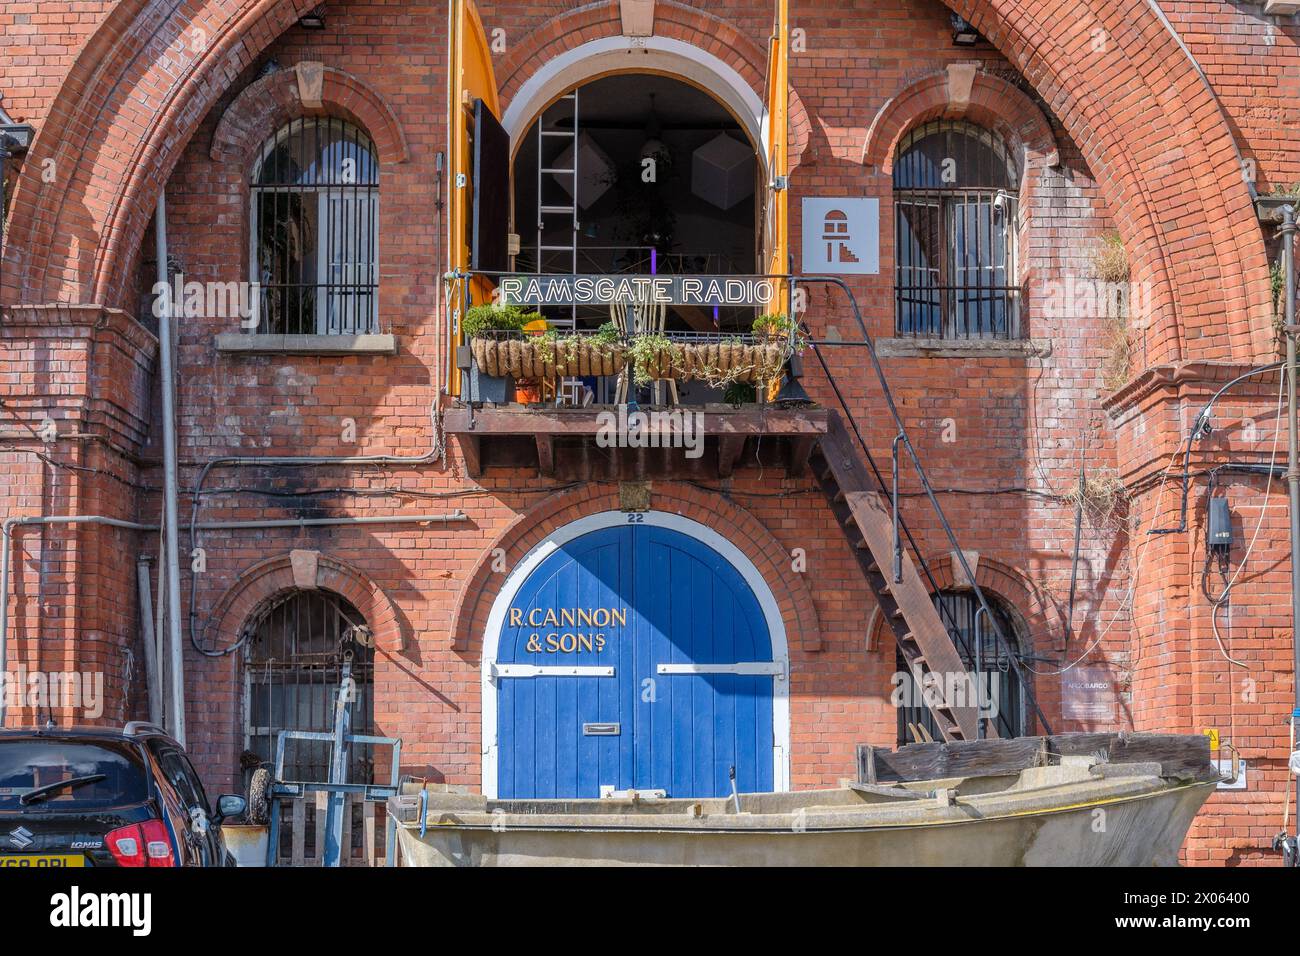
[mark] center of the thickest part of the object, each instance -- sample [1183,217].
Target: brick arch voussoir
[530,528]
[273,577]
[994,103]
[270,102]
[1162,150]
[676,21]
[112,147]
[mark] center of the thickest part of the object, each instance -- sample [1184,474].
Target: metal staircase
[867,521]
[868,513]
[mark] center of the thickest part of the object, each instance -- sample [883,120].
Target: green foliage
[740,393]
[778,327]
[652,356]
[496,318]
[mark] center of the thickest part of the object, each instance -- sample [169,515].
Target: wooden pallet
[300,816]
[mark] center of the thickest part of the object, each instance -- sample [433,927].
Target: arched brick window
[315,220]
[974,633]
[301,647]
[956,188]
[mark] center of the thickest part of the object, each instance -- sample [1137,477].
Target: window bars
[314,233]
[956,221]
[984,657]
[292,673]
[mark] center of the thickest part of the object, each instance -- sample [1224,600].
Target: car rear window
[26,765]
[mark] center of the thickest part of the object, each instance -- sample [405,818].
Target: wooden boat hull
[1050,819]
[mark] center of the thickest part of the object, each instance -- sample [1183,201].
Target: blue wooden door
[634,657]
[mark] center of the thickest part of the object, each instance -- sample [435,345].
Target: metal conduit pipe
[171,558]
[9,524]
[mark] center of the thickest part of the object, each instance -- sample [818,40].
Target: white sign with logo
[841,236]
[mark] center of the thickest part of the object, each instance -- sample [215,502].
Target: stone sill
[245,343]
[963,348]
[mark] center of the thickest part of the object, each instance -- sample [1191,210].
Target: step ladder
[555,214]
[865,517]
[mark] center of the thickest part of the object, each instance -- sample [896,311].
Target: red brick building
[1027,161]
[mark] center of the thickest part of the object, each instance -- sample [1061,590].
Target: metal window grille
[315,230]
[956,220]
[963,608]
[294,662]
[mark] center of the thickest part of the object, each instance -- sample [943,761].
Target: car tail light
[141,844]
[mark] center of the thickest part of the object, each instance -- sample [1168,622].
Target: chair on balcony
[647,318]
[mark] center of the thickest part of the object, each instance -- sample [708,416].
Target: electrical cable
[1254,538]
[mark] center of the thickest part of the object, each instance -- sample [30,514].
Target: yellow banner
[776,239]
[470,77]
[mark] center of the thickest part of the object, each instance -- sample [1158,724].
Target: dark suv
[102,797]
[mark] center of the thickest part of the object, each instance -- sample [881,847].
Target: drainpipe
[153,690]
[1292,458]
[171,543]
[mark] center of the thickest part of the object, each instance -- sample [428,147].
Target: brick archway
[1041,619]
[1165,158]
[674,21]
[269,103]
[530,528]
[1158,141]
[273,577]
[989,101]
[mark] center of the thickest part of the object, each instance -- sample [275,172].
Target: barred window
[1000,687]
[301,646]
[315,217]
[955,212]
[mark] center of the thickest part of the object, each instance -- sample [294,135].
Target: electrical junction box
[1220,532]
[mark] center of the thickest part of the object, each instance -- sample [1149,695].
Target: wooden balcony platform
[573,443]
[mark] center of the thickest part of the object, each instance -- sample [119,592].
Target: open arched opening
[639,173]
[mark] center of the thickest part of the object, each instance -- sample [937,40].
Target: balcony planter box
[537,358]
[721,363]
[717,363]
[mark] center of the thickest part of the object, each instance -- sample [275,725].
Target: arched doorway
[634,651]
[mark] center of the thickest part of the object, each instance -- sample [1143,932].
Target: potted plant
[587,354]
[654,356]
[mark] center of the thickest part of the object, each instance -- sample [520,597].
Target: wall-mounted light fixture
[314,20]
[963,34]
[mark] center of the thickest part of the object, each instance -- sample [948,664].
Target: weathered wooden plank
[718,420]
[299,835]
[866,763]
[800,451]
[960,758]
[322,805]
[545,455]
[1181,756]
[729,450]
[368,821]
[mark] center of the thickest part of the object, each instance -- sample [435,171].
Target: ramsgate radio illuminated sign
[703,291]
